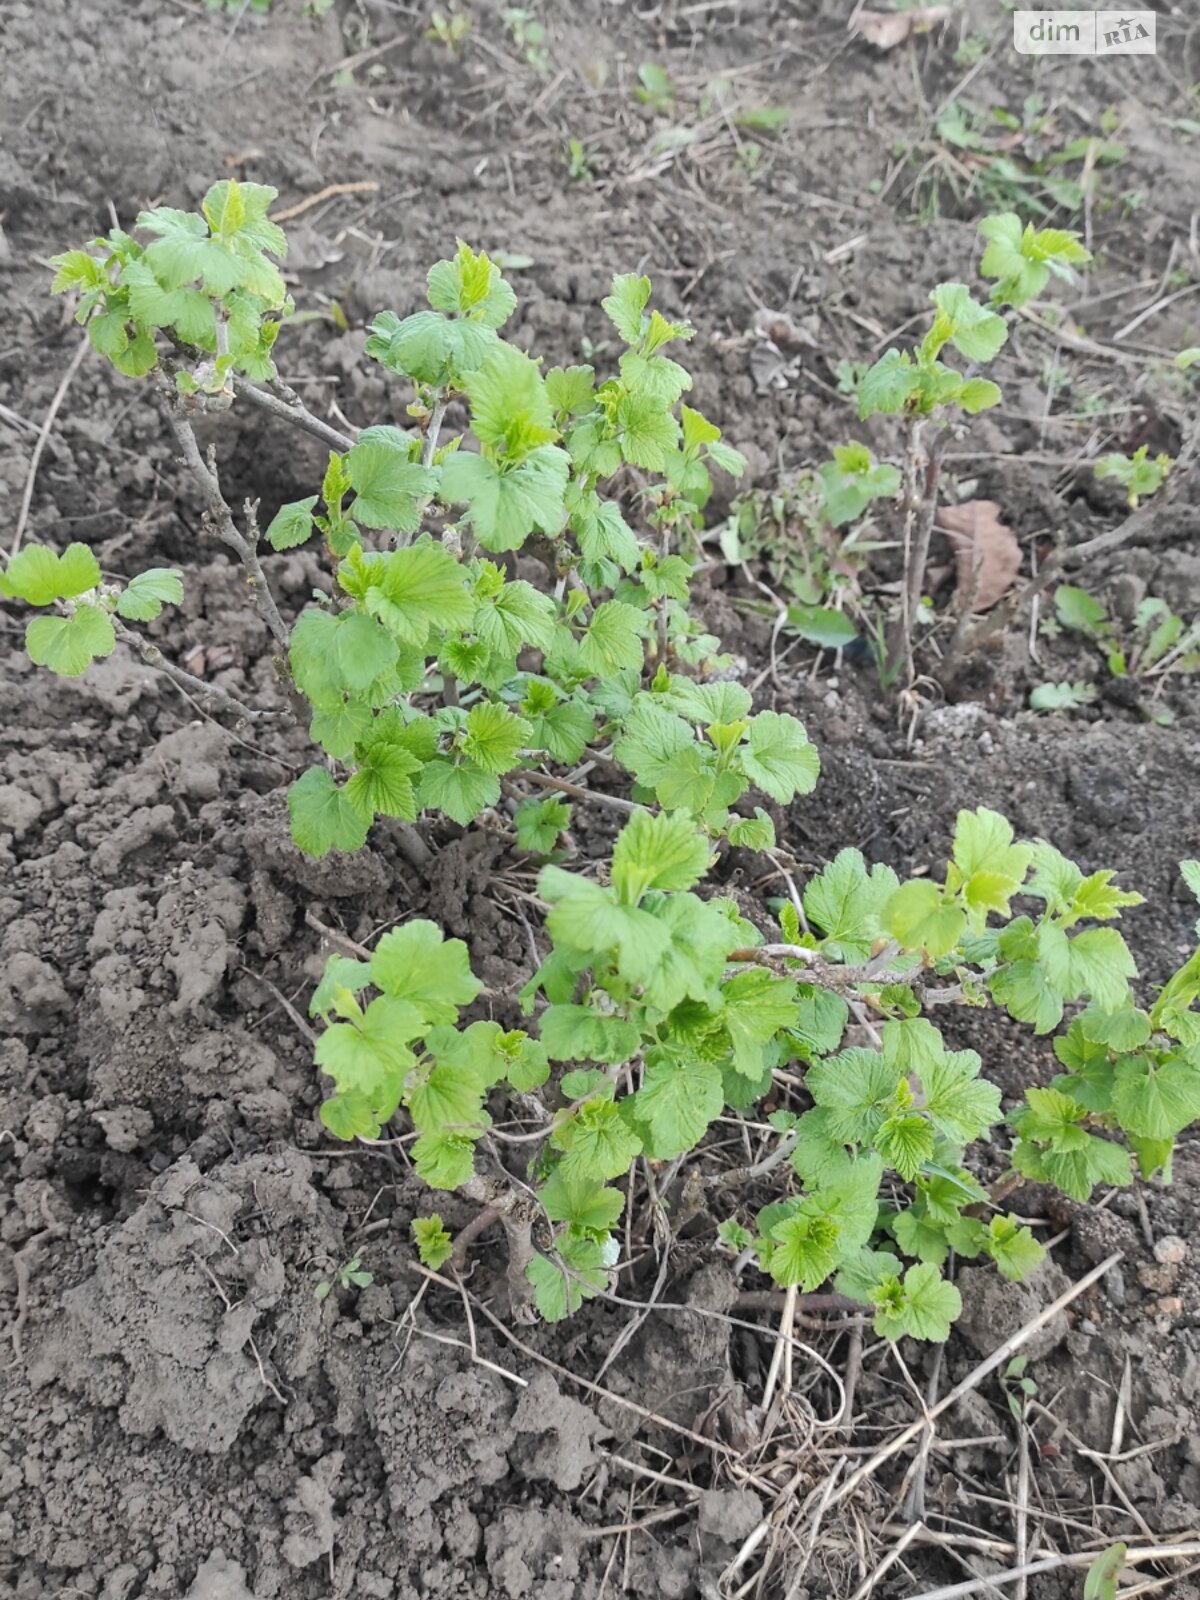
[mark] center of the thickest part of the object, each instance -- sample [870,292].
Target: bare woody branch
[219,518]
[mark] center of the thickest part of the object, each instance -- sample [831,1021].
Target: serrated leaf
[625,305]
[648,430]
[36,574]
[339,725]
[577,1033]
[473,286]
[350,1116]
[419,589]
[919,917]
[515,617]
[778,757]
[886,386]
[562,1284]
[846,901]
[442,1098]
[657,851]
[651,738]
[804,1251]
[69,645]
[924,1306]
[975,332]
[1156,1099]
[324,817]
[596,1140]
[506,504]
[905,1141]
[586,918]
[292,524]
[571,390]
[755,1006]
[583,1202]
[539,823]
[145,595]
[859,1276]
[494,737]
[462,790]
[382,782]
[343,654]
[1013,1248]
[979,394]
[613,640]
[390,488]
[752,833]
[679,1097]
[433,1241]
[992,867]
[961,1104]
[564,730]
[343,976]
[857,1091]
[372,1054]
[444,1160]
[510,409]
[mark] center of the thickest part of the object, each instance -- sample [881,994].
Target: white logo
[1084,33]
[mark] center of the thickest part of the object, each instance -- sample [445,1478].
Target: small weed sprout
[348,1276]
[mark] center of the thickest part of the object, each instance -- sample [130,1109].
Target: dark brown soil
[184,1417]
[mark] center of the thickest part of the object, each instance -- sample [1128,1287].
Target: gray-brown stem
[210,695]
[292,410]
[219,518]
[517,1211]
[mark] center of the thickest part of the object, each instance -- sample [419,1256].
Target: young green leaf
[38,575]
[778,757]
[846,902]
[324,817]
[144,596]
[292,524]
[919,917]
[433,1241]
[923,1306]
[539,824]
[389,487]
[69,645]
[657,851]
[576,1033]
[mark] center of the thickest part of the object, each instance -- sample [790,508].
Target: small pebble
[1169,1306]
[1171,1251]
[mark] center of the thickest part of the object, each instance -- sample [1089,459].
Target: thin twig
[975,1377]
[294,413]
[289,213]
[1132,1558]
[220,520]
[210,695]
[782,1344]
[40,442]
[434,429]
[506,1332]
[577,791]
[342,940]
[868,1587]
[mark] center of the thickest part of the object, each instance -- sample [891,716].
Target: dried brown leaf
[887,29]
[980,541]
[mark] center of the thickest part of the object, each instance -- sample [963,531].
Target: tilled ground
[186,1417]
